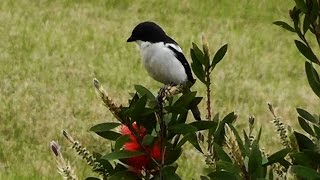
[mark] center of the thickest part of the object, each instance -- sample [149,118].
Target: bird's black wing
[179,55]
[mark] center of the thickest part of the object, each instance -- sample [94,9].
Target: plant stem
[208,83]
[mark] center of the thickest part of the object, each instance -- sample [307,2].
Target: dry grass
[51,50]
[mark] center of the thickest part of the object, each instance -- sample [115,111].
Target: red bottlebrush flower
[139,162]
[139,130]
[156,151]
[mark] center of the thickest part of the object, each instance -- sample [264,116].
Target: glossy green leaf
[306,51]
[104,127]
[284,25]
[317,131]
[306,23]
[219,133]
[124,175]
[230,167]
[219,55]
[168,172]
[305,172]
[120,142]
[300,4]
[111,135]
[92,178]
[139,106]
[303,141]
[305,126]
[277,156]
[185,99]
[147,140]
[255,159]
[182,129]
[203,125]
[313,78]
[172,155]
[219,175]
[144,91]
[192,139]
[121,154]
[239,141]
[221,154]
[306,115]
[197,69]
[198,53]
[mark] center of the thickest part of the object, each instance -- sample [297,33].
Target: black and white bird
[162,57]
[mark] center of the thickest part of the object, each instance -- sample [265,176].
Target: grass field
[51,50]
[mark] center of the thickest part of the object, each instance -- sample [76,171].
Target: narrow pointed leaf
[305,172]
[121,141]
[284,25]
[124,175]
[221,154]
[306,115]
[305,126]
[303,141]
[182,129]
[277,156]
[144,91]
[306,51]
[122,154]
[104,127]
[313,78]
[219,55]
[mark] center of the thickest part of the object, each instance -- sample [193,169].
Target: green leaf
[203,125]
[255,159]
[219,133]
[198,70]
[168,172]
[122,154]
[301,5]
[284,25]
[92,178]
[219,55]
[239,141]
[229,166]
[306,23]
[305,172]
[198,53]
[306,115]
[121,141]
[218,175]
[139,107]
[147,140]
[277,156]
[313,78]
[144,91]
[172,155]
[109,135]
[104,127]
[317,131]
[124,175]
[305,126]
[185,99]
[221,154]
[303,141]
[182,129]
[306,51]
[192,139]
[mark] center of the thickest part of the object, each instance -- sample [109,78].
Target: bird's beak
[130,39]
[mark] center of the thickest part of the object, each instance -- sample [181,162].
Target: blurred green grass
[51,50]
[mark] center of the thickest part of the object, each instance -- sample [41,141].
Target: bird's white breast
[161,63]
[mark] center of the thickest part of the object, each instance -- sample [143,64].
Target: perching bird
[162,57]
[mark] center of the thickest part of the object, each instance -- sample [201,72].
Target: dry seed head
[108,102]
[233,146]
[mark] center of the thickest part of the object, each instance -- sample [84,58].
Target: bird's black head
[148,31]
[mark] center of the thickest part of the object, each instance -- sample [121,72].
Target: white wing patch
[174,46]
